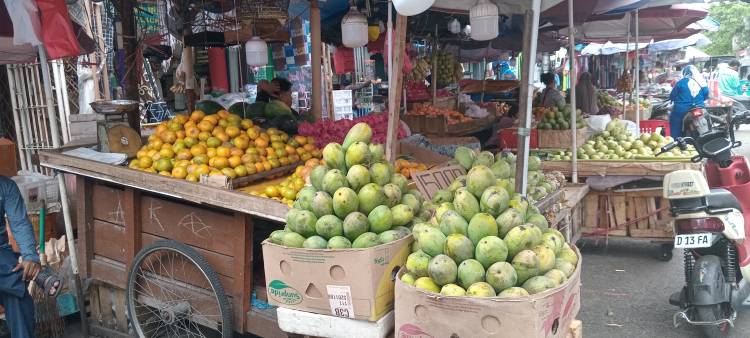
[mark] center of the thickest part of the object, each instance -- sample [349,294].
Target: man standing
[729,78]
[14,297]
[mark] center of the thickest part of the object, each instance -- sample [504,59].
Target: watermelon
[277,108]
[243,110]
[209,107]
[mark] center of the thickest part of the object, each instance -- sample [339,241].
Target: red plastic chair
[650,126]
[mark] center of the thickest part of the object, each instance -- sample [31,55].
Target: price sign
[340,298]
[430,181]
[218,181]
[342,104]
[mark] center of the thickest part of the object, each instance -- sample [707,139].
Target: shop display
[418,91]
[420,71]
[484,240]
[287,190]
[558,117]
[449,70]
[327,131]
[616,143]
[452,116]
[405,167]
[355,200]
[187,147]
[608,104]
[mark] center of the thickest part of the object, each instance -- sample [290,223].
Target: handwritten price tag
[340,298]
[430,181]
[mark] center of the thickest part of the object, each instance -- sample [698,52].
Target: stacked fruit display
[486,241]
[452,116]
[604,100]
[558,117]
[448,70]
[328,131]
[286,191]
[187,147]
[355,201]
[616,143]
[419,73]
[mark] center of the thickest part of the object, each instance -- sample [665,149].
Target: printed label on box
[431,181]
[340,297]
[283,293]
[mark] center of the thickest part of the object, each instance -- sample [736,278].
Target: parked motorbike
[711,216]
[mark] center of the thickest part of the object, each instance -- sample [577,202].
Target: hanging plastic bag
[57,31]
[24,15]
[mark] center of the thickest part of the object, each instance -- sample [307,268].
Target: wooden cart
[119,211]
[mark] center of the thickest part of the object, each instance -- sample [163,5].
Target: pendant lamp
[354,29]
[412,7]
[484,18]
[256,52]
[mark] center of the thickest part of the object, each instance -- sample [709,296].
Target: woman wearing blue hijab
[688,92]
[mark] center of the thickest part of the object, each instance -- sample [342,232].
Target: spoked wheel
[173,292]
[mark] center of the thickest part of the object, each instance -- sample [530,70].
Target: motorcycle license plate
[693,241]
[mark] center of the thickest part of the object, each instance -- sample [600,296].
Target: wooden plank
[651,208]
[189,224]
[591,210]
[222,264]
[663,232]
[132,207]
[641,211]
[621,216]
[107,307]
[244,181]
[96,314]
[242,269]
[109,241]
[108,271]
[84,219]
[179,189]
[631,210]
[109,204]
[264,323]
[394,92]
[121,309]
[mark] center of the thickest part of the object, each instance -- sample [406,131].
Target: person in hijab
[690,91]
[505,72]
[550,96]
[586,98]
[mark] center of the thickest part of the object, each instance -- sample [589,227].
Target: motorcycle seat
[722,199]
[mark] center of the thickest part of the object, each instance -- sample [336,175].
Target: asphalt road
[626,290]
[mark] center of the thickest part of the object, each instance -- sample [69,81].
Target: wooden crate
[108,307]
[638,214]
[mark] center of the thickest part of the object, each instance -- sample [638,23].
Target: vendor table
[121,210]
[617,168]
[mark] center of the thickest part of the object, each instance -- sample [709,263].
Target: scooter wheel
[711,313]
[665,252]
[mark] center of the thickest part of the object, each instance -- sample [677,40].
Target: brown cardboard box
[420,314]
[8,163]
[421,155]
[560,139]
[354,283]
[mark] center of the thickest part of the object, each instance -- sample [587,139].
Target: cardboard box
[352,283]
[560,139]
[420,314]
[8,163]
[421,155]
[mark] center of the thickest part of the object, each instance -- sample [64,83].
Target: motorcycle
[711,218]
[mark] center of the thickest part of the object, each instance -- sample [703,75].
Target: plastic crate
[508,138]
[649,126]
[36,189]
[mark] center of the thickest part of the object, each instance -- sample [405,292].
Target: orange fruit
[174,126]
[284,161]
[161,128]
[222,113]
[179,172]
[261,142]
[241,171]
[235,161]
[271,191]
[198,149]
[205,126]
[213,119]
[181,118]
[259,167]
[134,164]
[236,152]
[165,173]
[217,130]
[213,142]
[184,154]
[233,131]
[310,140]
[197,115]
[141,153]
[223,137]
[168,136]
[219,162]
[204,135]
[222,151]
[267,166]
[246,124]
[306,156]
[192,178]
[192,132]
[180,134]
[190,141]
[202,169]
[163,164]
[251,169]
[252,133]
[145,162]
[247,158]
[155,144]
[241,142]
[211,152]
[229,172]
[200,159]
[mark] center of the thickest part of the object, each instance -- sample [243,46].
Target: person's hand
[30,269]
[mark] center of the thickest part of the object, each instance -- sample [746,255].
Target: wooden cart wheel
[173,292]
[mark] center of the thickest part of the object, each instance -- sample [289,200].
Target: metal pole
[389,26]
[637,76]
[54,122]
[530,35]
[317,80]
[573,77]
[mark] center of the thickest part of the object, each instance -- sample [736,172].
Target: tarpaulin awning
[672,44]
[610,48]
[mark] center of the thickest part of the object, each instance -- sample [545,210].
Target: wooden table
[618,168]
[120,210]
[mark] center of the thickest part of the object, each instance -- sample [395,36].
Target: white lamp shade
[354,32]
[412,7]
[256,52]
[484,19]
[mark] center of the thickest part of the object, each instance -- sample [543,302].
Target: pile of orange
[286,191]
[187,147]
[406,167]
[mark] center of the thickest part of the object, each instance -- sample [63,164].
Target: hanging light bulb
[454,26]
[412,7]
[484,19]
[354,29]
[256,52]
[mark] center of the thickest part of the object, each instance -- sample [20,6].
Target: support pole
[389,35]
[317,96]
[573,78]
[54,120]
[129,46]
[530,35]
[395,85]
[637,76]
[73,253]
